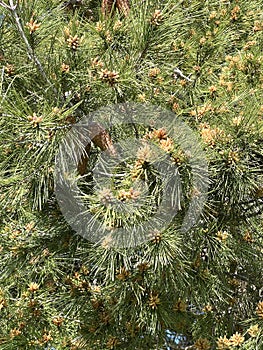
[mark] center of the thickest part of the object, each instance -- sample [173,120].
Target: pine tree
[64,62]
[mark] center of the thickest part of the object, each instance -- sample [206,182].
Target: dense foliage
[59,62]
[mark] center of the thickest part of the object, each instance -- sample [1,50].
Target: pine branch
[4,5]
[30,52]
[100,137]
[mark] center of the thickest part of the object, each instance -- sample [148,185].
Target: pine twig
[179,74]
[4,5]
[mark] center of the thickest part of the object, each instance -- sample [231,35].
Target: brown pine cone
[101,138]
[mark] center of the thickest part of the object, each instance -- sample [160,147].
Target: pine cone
[101,138]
